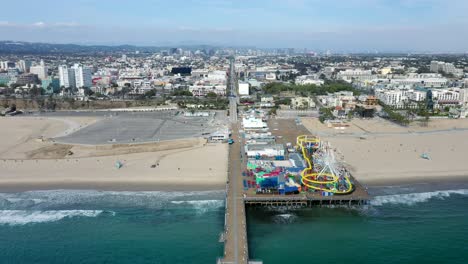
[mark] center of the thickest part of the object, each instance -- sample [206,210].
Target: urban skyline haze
[350,26]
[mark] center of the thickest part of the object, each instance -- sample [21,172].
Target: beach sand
[27,163]
[388,154]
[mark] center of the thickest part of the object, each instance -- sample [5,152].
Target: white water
[89,199]
[414,198]
[286,218]
[202,206]
[22,217]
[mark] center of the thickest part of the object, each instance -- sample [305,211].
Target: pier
[238,197]
[235,234]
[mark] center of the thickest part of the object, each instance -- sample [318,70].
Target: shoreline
[422,185]
[109,186]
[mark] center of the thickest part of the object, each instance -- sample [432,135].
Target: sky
[335,25]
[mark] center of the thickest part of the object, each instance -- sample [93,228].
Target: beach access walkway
[235,245]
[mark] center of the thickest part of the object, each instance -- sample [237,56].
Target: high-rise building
[448,68]
[83,76]
[5,65]
[66,77]
[24,65]
[40,70]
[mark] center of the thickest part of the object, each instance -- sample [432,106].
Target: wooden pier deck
[235,236]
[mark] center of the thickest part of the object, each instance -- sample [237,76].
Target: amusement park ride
[323,172]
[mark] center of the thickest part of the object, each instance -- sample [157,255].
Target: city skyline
[370,25]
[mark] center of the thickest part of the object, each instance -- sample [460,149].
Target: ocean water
[423,227]
[111,227]
[402,225]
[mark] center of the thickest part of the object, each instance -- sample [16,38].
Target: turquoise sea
[402,225]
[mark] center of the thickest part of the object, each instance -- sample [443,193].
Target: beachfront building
[343,99]
[400,98]
[264,150]
[393,98]
[253,123]
[219,136]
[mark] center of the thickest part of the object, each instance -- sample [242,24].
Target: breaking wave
[287,218]
[414,198]
[22,217]
[202,205]
[89,199]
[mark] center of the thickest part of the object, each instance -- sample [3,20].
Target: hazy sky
[338,25]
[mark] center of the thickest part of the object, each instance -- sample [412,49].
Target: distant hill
[19,47]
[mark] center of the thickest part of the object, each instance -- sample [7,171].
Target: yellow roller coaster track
[308,176]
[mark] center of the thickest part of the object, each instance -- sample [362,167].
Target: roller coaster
[323,172]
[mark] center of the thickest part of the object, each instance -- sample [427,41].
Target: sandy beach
[380,153]
[30,160]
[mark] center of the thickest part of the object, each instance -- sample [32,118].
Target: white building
[216,76]
[40,70]
[464,97]
[83,76]
[24,65]
[355,75]
[449,68]
[390,97]
[5,65]
[308,79]
[244,88]
[430,82]
[446,95]
[66,77]
[220,135]
[253,123]
[417,96]
[203,90]
[302,103]
[270,76]
[141,87]
[264,150]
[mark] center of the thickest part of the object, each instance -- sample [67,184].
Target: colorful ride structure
[323,172]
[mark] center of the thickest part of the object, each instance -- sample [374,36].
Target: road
[236,249]
[233,98]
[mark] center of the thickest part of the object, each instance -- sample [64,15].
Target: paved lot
[137,127]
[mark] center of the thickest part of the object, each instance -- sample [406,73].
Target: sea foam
[202,205]
[90,199]
[414,198]
[286,218]
[22,217]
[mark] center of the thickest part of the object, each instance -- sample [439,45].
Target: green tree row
[309,89]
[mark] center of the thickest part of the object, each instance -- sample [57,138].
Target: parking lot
[138,127]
